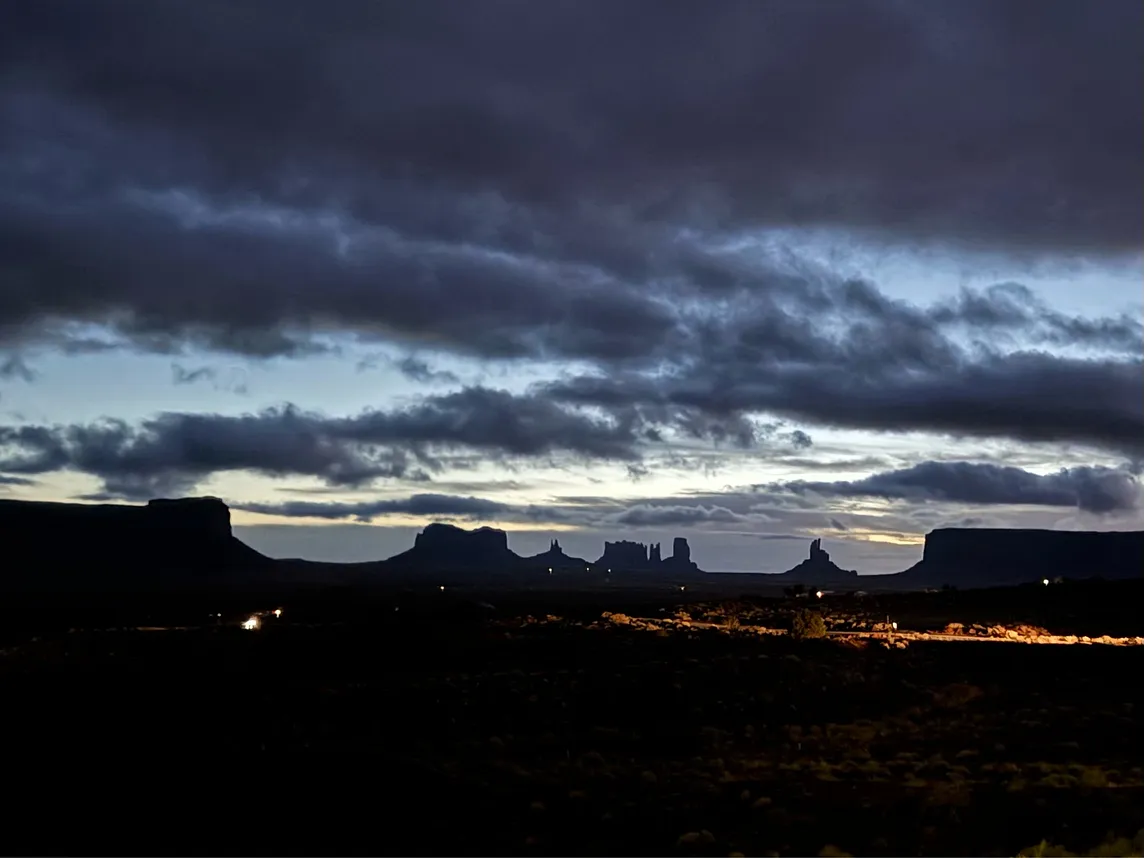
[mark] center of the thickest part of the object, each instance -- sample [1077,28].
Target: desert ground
[430,722]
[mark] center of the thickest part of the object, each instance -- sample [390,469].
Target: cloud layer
[579,186]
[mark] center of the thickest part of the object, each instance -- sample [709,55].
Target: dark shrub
[807,624]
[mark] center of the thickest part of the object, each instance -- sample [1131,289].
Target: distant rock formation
[625,556]
[985,557]
[556,560]
[680,550]
[447,548]
[680,559]
[818,569]
[101,546]
[175,544]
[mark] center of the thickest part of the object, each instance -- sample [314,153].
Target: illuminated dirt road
[903,635]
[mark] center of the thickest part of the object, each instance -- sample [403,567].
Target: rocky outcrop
[624,556]
[446,548]
[556,560]
[985,557]
[680,559]
[111,545]
[819,570]
[680,550]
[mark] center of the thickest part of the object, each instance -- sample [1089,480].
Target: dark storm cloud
[985,121]
[651,514]
[15,481]
[413,368]
[1028,396]
[172,452]
[647,515]
[421,504]
[1091,489]
[416,369]
[555,181]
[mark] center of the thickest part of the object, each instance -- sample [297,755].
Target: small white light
[442,587]
[681,589]
[818,593]
[895,626]
[1045,581]
[277,612]
[549,570]
[251,623]
[609,571]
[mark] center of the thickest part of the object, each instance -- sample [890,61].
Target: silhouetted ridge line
[987,557]
[188,542]
[164,542]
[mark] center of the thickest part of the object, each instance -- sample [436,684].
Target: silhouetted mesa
[447,548]
[625,556]
[985,557]
[680,559]
[555,559]
[105,546]
[818,569]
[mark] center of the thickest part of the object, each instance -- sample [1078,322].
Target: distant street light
[894,625]
[1045,581]
[277,612]
[251,623]
[818,594]
[682,588]
[442,587]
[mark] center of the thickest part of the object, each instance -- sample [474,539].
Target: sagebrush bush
[808,624]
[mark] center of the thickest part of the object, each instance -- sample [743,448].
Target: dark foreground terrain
[476,731]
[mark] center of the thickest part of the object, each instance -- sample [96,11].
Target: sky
[744,271]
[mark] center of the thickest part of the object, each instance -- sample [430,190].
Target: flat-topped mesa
[204,516]
[984,557]
[624,555]
[109,544]
[445,546]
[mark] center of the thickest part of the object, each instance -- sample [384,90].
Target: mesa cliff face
[444,547]
[625,556]
[49,544]
[982,557]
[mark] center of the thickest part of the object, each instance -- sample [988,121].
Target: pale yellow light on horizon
[885,537]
